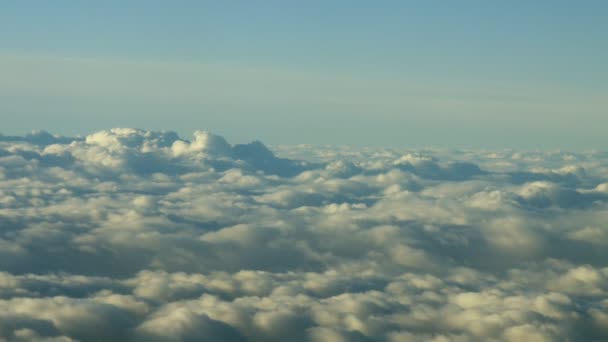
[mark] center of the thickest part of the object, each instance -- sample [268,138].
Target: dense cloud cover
[131,235]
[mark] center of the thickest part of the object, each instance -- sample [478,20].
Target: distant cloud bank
[133,235]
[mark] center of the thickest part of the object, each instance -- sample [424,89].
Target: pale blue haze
[525,74]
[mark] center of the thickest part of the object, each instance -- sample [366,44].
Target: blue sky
[399,73]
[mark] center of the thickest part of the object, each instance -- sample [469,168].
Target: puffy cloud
[134,235]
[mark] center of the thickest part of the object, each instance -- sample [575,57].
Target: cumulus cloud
[134,235]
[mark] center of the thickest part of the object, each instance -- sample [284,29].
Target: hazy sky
[528,74]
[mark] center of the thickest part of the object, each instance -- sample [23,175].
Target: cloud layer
[132,235]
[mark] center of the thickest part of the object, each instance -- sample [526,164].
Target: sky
[474,74]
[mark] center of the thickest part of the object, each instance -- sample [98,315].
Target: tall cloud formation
[132,235]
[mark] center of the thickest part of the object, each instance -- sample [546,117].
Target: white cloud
[129,234]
